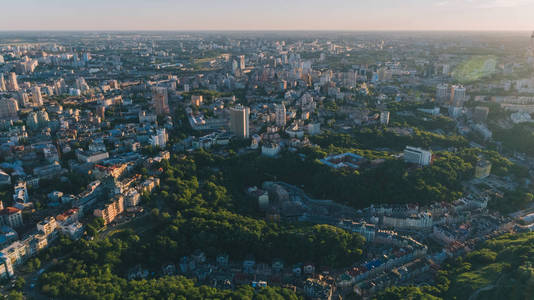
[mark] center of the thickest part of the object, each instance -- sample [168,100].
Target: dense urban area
[266,165]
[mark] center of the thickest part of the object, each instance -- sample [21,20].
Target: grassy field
[475,68]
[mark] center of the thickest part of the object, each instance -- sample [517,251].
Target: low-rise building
[270,150]
[420,221]
[11,217]
[91,157]
[317,289]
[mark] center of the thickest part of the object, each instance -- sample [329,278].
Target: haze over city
[255,150]
[346,15]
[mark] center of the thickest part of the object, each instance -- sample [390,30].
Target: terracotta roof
[9,211]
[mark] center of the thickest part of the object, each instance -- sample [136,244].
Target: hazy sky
[267,14]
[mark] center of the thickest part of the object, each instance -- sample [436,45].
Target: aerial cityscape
[260,163]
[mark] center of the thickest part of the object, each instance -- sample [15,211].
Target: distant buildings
[417,156]
[454,95]
[239,121]
[520,117]
[160,100]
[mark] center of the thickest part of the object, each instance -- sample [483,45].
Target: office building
[417,156]
[160,100]
[8,109]
[239,121]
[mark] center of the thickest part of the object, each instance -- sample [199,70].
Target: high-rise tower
[239,116]
[36,96]
[13,84]
[281,115]
[160,100]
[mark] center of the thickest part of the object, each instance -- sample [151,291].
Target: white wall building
[417,156]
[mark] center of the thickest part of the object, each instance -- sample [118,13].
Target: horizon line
[267,30]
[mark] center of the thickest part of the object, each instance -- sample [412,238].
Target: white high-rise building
[81,84]
[281,115]
[42,118]
[239,121]
[31,121]
[160,138]
[446,70]
[417,156]
[37,98]
[21,192]
[241,62]
[13,84]
[384,118]
[24,99]
[2,83]
[443,92]
[458,95]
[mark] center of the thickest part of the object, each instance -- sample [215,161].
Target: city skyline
[238,15]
